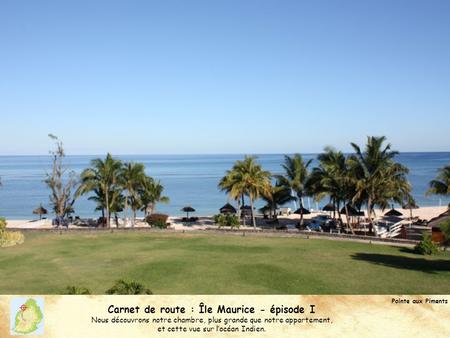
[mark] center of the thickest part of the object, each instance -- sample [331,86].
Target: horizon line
[210,154]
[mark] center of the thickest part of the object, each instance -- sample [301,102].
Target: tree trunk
[348,219]
[107,209]
[300,202]
[239,209]
[253,214]
[369,211]
[126,209]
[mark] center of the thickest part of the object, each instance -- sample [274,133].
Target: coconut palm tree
[333,178]
[132,176]
[296,177]
[441,184]
[379,179]
[231,184]
[102,177]
[246,178]
[151,193]
[276,196]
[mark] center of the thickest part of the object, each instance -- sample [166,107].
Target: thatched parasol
[351,211]
[329,207]
[393,212]
[228,209]
[40,211]
[302,210]
[187,210]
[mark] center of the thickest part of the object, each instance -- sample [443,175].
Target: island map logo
[26,316]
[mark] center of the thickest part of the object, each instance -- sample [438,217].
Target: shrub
[157,220]
[123,287]
[445,228]
[9,238]
[77,290]
[2,226]
[227,220]
[426,246]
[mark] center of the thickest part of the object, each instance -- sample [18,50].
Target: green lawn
[213,264]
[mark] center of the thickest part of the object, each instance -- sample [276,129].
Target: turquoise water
[188,180]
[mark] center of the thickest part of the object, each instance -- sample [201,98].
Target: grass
[212,264]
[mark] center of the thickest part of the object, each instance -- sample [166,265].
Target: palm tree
[150,194]
[234,187]
[296,177]
[379,179]
[246,178]
[333,178]
[102,178]
[124,287]
[275,196]
[132,176]
[441,184]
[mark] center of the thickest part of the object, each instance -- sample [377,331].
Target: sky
[223,76]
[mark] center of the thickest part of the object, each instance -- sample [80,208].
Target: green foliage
[2,225]
[441,184]
[246,178]
[77,290]
[426,246]
[227,220]
[445,228]
[157,220]
[123,287]
[9,238]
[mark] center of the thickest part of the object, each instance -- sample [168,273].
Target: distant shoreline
[216,154]
[425,213]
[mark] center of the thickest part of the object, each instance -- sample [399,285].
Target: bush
[227,220]
[445,228]
[2,226]
[157,220]
[9,238]
[123,287]
[77,290]
[426,246]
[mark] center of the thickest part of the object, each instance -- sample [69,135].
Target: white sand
[425,213]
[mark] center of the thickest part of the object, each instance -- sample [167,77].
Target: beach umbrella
[302,210]
[40,211]
[228,209]
[351,211]
[393,212]
[410,205]
[187,210]
[329,207]
[246,210]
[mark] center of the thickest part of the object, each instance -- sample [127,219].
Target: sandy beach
[425,213]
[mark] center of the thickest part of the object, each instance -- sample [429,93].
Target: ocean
[187,179]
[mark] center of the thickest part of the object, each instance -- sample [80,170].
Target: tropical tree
[151,193]
[246,178]
[379,179]
[233,185]
[296,177]
[441,184]
[333,178]
[102,178]
[274,197]
[125,287]
[132,176]
[61,183]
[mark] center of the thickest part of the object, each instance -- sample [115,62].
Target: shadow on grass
[402,262]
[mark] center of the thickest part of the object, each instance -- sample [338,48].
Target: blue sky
[152,77]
